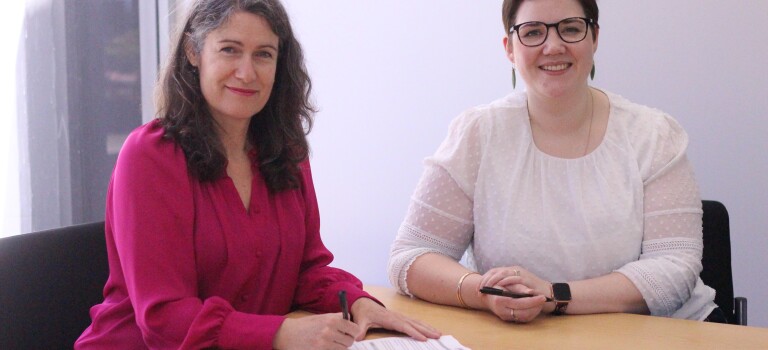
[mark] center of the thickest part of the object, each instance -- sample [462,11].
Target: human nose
[553,43]
[245,71]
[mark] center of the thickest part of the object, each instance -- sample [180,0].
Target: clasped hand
[520,280]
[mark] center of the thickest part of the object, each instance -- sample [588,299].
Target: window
[82,77]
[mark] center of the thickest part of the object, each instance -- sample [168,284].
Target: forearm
[435,277]
[613,292]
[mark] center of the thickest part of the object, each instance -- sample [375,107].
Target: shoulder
[305,170]
[147,143]
[646,126]
[508,110]
[510,106]
[655,138]
[305,173]
[147,154]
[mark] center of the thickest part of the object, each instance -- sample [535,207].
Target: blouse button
[244,297]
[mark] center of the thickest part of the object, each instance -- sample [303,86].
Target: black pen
[343,302]
[506,293]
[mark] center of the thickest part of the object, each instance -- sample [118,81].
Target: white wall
[389,77]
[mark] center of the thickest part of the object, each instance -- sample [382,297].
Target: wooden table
[481,330]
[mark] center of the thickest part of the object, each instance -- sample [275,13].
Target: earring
[514,78]
[592,72]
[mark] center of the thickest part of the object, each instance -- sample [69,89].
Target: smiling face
[237,65]
[554,68]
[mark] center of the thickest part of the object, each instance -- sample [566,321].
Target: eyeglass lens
[571,30]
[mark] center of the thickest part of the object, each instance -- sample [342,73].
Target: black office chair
[48,282]
[717,272]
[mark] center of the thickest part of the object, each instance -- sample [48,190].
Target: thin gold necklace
[591,118]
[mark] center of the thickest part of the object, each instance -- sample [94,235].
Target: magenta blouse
[191,268]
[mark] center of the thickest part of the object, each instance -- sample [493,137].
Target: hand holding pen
[506,293]
[319,331]
[522,311]
[524,295]
[371,314]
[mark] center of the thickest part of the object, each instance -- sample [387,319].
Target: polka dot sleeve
[440,218]
[667,272]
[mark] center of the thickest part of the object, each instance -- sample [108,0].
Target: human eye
[264,54]
[572,30]
[572,26]
[228,50]
[532,30]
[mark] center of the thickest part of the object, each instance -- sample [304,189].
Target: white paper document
[445,342]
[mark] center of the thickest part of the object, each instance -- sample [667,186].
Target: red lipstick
[242,92]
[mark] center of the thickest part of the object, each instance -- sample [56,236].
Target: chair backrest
[48,282]
[716,260]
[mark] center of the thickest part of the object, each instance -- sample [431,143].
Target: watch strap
[560,307]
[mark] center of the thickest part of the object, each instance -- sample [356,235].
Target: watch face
[561,291]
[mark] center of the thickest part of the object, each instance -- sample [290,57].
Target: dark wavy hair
[509,12]
[277,132]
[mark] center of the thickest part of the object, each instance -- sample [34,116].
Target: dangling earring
[592,72]
[514,78]
[195,73]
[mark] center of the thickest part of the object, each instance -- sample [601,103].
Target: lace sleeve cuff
[666,273]
[410,244]
[439,220]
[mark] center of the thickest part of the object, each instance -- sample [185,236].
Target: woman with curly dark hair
[212,221]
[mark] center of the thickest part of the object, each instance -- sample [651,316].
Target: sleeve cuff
[247,331]
[354,292]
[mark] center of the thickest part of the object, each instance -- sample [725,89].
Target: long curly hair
[277,132]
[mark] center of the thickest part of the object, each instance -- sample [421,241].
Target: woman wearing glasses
[577,197]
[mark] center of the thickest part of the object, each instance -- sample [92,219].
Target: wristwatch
[561,294]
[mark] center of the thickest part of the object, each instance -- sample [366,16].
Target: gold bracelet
[458,289]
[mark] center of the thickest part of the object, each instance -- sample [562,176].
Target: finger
[528,315]
[350,328]
[491,278]
[344,340]
[425,329]
[512,280]
[363,330]
[331,337]
[389,322]
[409,329]
[524,303]
[414,328]
[505,313]
[518,285]
[487,276]
[419,331]
[365,323]
[523,315]
[501,305]
[495,275]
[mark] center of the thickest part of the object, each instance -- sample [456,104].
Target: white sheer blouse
[632,205]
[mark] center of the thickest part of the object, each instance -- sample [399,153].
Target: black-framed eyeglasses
[570,30]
